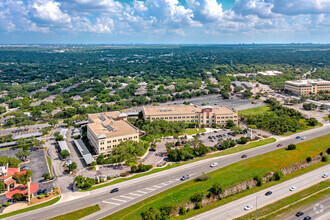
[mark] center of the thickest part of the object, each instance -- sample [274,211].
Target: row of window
[119,140]
[183,117]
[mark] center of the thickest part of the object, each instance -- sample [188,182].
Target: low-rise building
[206,115]
[107,130]
[307,87]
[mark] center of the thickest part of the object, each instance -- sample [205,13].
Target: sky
[164,21]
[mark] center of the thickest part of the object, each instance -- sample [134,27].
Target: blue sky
[164,21]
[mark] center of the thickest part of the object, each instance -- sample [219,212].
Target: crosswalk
[119,200]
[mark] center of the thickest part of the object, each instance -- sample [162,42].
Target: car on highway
[185,177]
[214,164]
[244,156]
[292,188]
[268,193]
[325,175]
[303,138]
[279,145]
[298,137]
[114,190]
[308,218]
[248,207]
[298,214]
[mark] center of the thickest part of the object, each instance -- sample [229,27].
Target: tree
[22,155]
[53,122]
[46,176]
[59,138]
[277,175]
[308,159]
[22,178]
[72,166]
[2,186]
[325,158]
[65,154]
[328,150]
[197,197]
[216,189]
[259,180]
[2,110]
[312,121]
[291,147]
[230,124]
[17,197]
[150,214]
[247,93]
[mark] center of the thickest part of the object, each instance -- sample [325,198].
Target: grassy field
[194,131]
[51,202]
[301,130]
[78,214]
[229,176]
[275,207]
[254,111]
[49,161]
[236,149]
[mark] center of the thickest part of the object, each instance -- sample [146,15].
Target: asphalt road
[136,190]
[319,210]
[236,208]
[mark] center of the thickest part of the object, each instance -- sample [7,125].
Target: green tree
[22,155]
[259,180]
[277,175]
[17,197]
[65,154]
[72,166]
[216,189]
[230,124]
[46,176]
[2,186]
[53,122]
[291,147]
[150,214]
[197,197]
[2,110]
[59,138]
[325,158]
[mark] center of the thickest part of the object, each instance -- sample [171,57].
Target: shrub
[0,206]
[308,159]
[149,214]
[41,196]
[188,209]
[277,175]
[108,177]
[6,204]
[321,154]
[203,177]
[291,147]
[182,210]
[216,189]
[328,150]
[46,176]
[197,197]
[198,205]
[140,168]
[166,210]
[259,180]
[325,158]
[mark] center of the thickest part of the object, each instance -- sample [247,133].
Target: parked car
[248,207]
[298,137]
[299,214]
[39,192]
[25,168]
[279,145]
[325,175]
[44,191]
[308,218]
[292,188]
[214,164]
[185,177]
[268,193]
[244,156]
[152,149]
[114,190]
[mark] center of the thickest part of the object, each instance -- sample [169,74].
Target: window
[170,117]
[109,147]
[119,140]
[166,117]
[130,138]
[162,118]
[108,142]
[192,120]
[175,117]
[188,116]
[196,120]
[179,117]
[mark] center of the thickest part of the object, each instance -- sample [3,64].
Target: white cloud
[139,6]
[206,10]
[94,6]
[260,8]
[295,7]
[49,12]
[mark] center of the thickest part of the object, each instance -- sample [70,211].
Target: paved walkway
[14,207]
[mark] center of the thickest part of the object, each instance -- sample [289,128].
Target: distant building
[206,115]
[247,85]
[307,87]
[6,176]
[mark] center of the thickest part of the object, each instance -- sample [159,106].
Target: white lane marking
[112,203]
[133,194]
[120,200]
[164,184]
[157,186]
[140,191]
[126,197]
[151,189]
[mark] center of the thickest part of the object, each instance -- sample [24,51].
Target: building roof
[183,109]
[26,135]
[63,146]
[308,81]
[106,125]
[84,151]
[63,132]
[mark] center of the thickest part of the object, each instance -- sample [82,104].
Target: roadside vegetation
[78,214]
[227,177]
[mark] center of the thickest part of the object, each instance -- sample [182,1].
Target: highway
[235,209]
[319,210]
[136,190]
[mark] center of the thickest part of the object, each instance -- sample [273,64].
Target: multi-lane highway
[236,208]
[136,190]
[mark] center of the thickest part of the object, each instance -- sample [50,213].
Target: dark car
[39,192]
[298,137]
[268,193]
[307,218]
[152,149]
[244,156]
[279,145]
[185,177]
[299,214]
[44,191]
[114,190]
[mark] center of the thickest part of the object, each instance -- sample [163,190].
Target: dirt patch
[35,200]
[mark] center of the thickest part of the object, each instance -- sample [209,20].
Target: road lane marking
[157,186]
[126,197]
[164,184]
[133,194]
[151,189]
[140,191]
[112,203]
[120,200]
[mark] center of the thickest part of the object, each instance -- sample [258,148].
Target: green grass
[49,161]
[78,214]
[254,111]
[236,149]
[194,131]
[303,129]
[326,118]
[274,208]
[51,202]
[6,148]
[229,176]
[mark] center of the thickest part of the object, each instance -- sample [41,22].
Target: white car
[248,207]
[292,188]
[214,164]
[325,175]
[303,138]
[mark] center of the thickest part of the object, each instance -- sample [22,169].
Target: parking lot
[216,134]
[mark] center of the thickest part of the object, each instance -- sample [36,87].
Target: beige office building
[107,130]
[206,115]
[307,87]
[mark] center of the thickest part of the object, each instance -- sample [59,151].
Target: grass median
[236,149]
[230,176]
[78,214]
[42,205]
[49,161]
[291,204]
